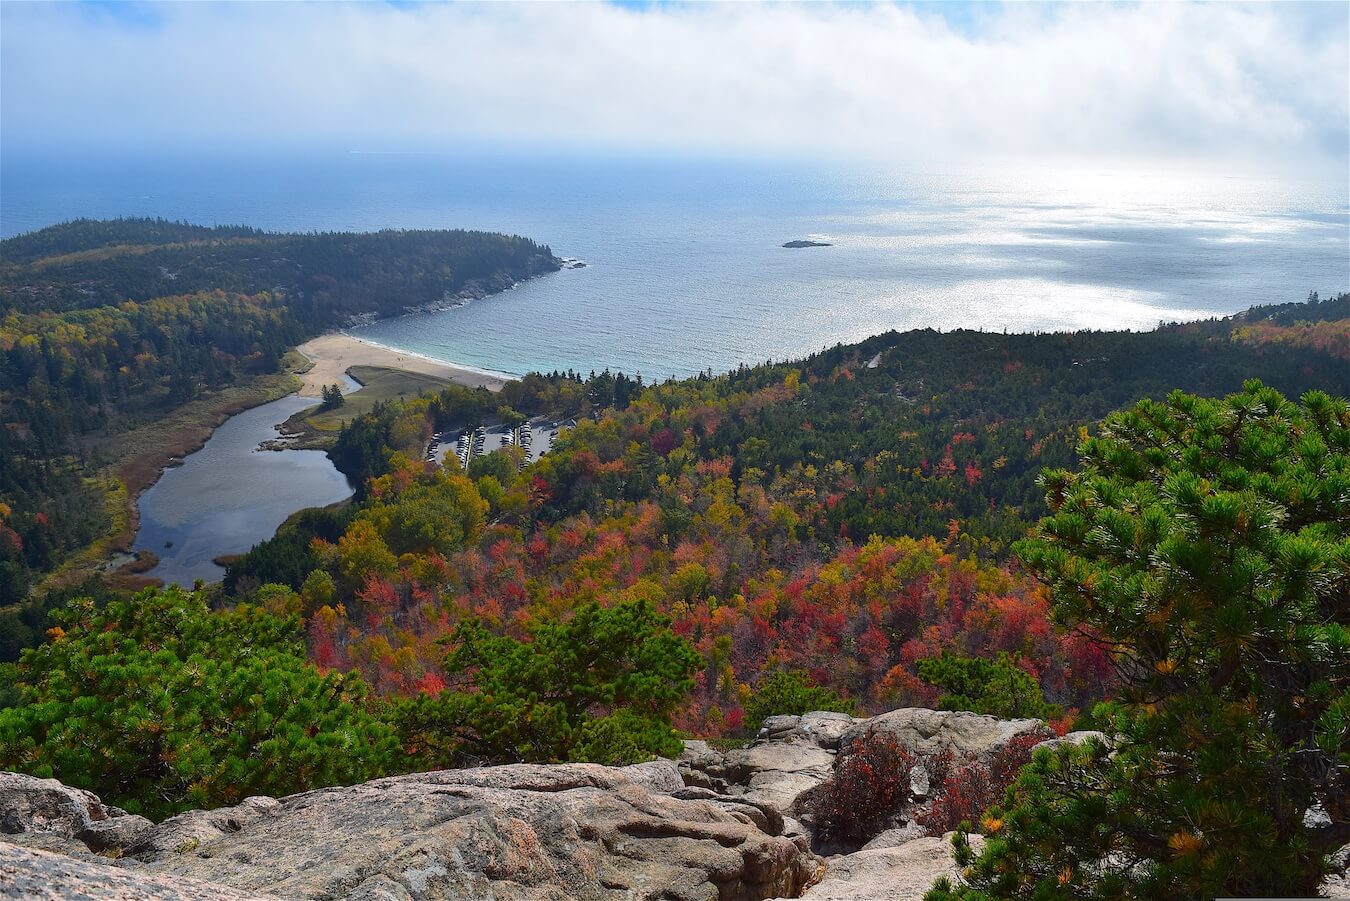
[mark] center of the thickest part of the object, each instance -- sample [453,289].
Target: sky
[1263,86]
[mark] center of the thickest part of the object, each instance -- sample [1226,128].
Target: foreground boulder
[572,831]
[41,875]
[791,756]
[44,813]
[901,873]
[971,736]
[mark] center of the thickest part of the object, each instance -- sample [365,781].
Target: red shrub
[869,787]
[967,792]
[964,795]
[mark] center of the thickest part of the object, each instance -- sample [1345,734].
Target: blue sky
[1263,86]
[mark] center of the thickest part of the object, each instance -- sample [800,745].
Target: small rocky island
[804,243]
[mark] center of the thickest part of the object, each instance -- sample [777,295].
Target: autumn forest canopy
[960,519]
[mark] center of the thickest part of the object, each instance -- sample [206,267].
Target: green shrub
[600,686]
[158,705]
[791,692]
[997,687]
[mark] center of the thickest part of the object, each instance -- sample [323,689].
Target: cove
[228,496]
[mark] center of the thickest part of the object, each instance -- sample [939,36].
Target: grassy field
[377,384]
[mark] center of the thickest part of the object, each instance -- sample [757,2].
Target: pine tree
[599,687]
[1208,542]
[158,705]
[791,692]
[332,397]
[997,687]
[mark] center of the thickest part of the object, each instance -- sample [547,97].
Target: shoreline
[335,353]
[427,358]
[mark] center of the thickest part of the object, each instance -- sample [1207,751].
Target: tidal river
[229,495]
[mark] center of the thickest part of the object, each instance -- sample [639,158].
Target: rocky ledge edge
[710,825]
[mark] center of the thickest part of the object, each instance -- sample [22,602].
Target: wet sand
[333,355]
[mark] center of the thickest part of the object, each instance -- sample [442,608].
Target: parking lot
[461,447]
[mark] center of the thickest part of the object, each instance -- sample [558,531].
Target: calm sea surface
[684,265]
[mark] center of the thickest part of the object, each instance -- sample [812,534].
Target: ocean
[684,265]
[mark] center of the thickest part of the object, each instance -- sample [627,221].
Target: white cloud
[1264,83]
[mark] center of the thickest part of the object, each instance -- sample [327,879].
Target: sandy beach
[333,355]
